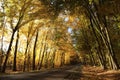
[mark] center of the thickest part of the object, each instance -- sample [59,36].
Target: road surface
[66,73]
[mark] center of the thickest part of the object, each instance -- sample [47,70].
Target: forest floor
[74,72]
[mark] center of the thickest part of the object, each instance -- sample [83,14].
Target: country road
[54,74]
[73,72]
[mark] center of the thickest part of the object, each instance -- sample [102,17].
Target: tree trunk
[28,63]
[40,54]
[1,59]
[15,53]
[62,59]
[1,51]
[106,37]
[47,59]
[99,49]
[53,59]
[43,48]
[3,28]
[114,63]
[8,52]
[34,51]
[43,54]
[96,21]
[24,64]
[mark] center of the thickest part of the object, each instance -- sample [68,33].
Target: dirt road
[54,74]
[74,72]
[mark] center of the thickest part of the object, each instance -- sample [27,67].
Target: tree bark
[43,54]
[34,51]
[53,59]
[99,19]
[99,49]
[1,51]
[3,28]
[40,54]
[24,64]
[15,53]
[44,46]
[62,59]
[114,62]
[8,52]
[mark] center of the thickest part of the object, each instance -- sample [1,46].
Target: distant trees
[98,21]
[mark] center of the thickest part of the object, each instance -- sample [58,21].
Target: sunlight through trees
[44,34]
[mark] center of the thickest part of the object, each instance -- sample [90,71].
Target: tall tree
[34,51]
[15,53]
[11,14]
[43,52]
[30,33]
[92,8]
[2,25]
